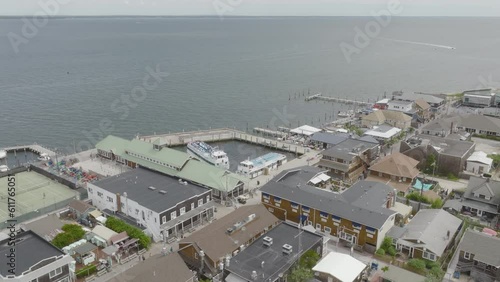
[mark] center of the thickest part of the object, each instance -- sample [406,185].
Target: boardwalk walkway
[33,148]
[223,134]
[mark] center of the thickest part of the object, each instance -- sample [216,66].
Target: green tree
[71,234]
[430,164]
[437,204]
[309,259]
[496,159]
[385,269]
[386,244]
[133,232]
[300,274]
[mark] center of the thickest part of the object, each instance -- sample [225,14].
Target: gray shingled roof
[483,186]
[30,250]
[137,182]
[347,150]
[362,203]
[328,138]
[430,227]
[484,247]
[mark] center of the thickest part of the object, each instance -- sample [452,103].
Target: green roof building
[138,153]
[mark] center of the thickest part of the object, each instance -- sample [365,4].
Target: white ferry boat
[212,155]
[261,165]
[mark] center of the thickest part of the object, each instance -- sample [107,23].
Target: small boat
[261,165]
[346,114]
[4,168]
[44,157]
[3,154]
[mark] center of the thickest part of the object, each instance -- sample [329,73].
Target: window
[318,226]
[90,190]
[346,236]
[208,199]
[163,219]
[192,206]
[277,200]
[55,272]
[336,219]
[110,199]
[99,194]
[328,230]
[200,202]
[182,211]
[34,280]
[429,256]
[466,255]
[64,280]
[356,225]
[173,215]
[136,211]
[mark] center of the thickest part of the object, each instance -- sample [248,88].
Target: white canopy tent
[305,130]
[343,267]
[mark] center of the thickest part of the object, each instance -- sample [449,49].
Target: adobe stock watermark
[31,26]
[372,29]
[222,7]
[122,106]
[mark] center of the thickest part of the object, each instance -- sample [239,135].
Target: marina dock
[223,134]
[319,96]
[35,148]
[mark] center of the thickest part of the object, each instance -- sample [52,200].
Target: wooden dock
[339,100]
[223,134]
[35,148]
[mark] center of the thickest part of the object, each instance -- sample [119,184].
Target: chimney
[451,129]
[118,202]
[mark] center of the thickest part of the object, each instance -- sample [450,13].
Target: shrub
[133,232]
[391,251]
[86,271]
[309,259]
[436,271]
[415,196]
[437,204]
[386,244]
[417,264]
[380,252]
[452,177]
[429,264]
[71,234]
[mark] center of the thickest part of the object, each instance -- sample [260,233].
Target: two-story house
[428,235]
[207,248]
[166,206]
[434,100]
[423,109]
[482,198]
[478,256]
[393,118]
[349,160]
[34,259]
[400,106]
[397,170]
[360,216]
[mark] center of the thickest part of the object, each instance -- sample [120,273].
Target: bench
[171,240]
[90,278]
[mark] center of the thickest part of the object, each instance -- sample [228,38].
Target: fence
[413,204]
[36,213]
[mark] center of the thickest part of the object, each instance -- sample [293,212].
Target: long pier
[223,134]
[33,148]
[319,96]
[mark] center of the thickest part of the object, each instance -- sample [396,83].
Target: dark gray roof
[368,138]
[484,247]
[483,186]
[275,262]
[442,124]
[329,138]
[137,182]
[47,227]
[30,250]
[447,146]
[363,204]
[85,248]
[348,149]
[480,122]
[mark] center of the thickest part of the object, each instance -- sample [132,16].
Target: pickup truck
[243,199]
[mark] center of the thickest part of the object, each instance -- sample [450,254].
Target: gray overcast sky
[255,7]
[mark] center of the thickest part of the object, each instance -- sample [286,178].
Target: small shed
[479,163]
[101,236]
[84,253]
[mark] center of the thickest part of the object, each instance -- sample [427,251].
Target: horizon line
[247,16]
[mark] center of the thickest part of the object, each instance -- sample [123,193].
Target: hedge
[71,234]
[86,271]
[133,232]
